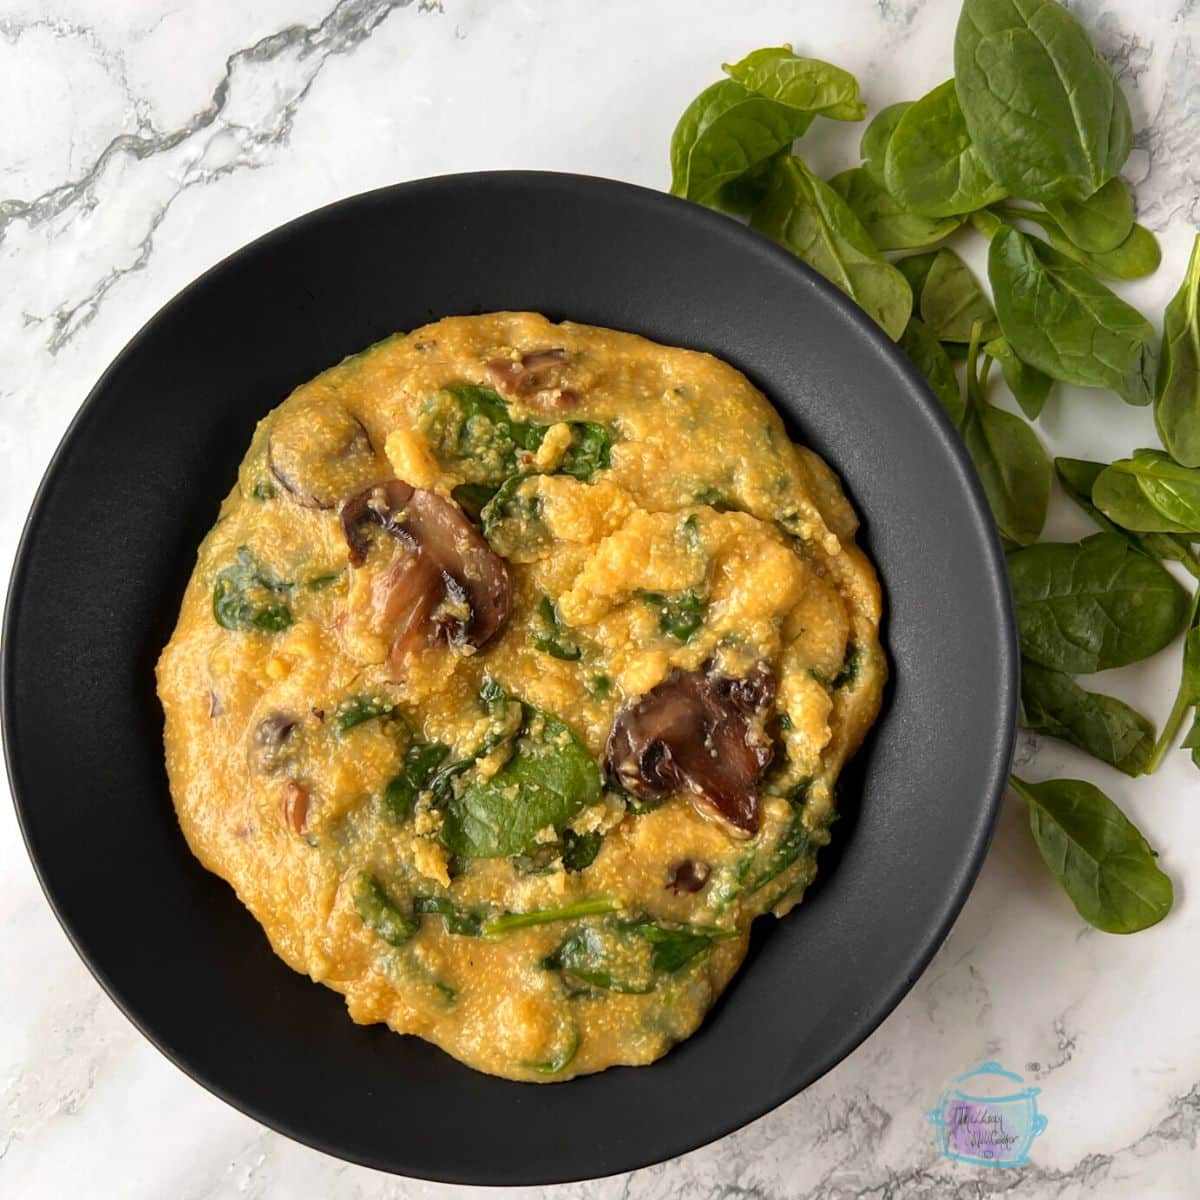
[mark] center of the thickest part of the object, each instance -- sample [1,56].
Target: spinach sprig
[1024,146]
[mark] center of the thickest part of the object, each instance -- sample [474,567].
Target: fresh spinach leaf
[379,913]
[1093,605]
[931,167]
[1045,112]
[1102,726]
[1136,257]
[952,302]
[357,710]
[1101,222]
[1059,319]
[727,133]
[915,268]
[421,760]
[1177,392]
[549,637]
[873,147]
[888,223]
[806,84]
[1150,493]
[1078,477]
[1099,856]
[548,778]
[1187,697]
[1030,386]
[1011,463]
[246,597]
[680,616]
[807,216]
[929,357]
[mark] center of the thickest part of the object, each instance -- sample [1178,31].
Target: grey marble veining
[145,141]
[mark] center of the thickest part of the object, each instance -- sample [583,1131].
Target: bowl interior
[135,486]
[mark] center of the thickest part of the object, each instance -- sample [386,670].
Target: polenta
[514,682]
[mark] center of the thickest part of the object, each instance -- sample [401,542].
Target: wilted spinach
[379,913]
[1093,605]
[1106,728]
[1045,112]
[421,761]
[680,615]
[357,710]
[548,778]
[246,597]
[818,226]
[1098,855]
[548,635]
[1177,393]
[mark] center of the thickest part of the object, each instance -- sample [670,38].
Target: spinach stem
[1179,709]
[975,383]
[507,922]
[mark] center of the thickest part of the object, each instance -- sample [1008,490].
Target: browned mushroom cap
[536,377]
[318,452]
[687,875]
[452,587]
[697,732]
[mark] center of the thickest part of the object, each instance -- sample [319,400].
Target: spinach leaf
[679,616]
[1055,705]
[549,777]
[1078,477]
[915,268]
[579,850]
[590,450]
[628,956]
[1186,698]
[806,84]
[508,922]
[512,520]
[951,301]
[1093,605]
[1011,463]
[561,1060]
[1137,256]
[888,223]
[472,498]
[357,710]
[1150,493]
[931,167]
[1192,741]
[1177,393]
[793,842]
[1098,855]
[1030,386]
[548,635]
[816,224]
[931,360]
[462,921]
[1046,114]
[873,147]
[421,760]
[245,597]
[379,912]
[723,136]
[1099,223]
[1059,319]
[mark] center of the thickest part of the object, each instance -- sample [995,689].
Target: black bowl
[135,485]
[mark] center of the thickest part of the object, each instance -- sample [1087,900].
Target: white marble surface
[143,140]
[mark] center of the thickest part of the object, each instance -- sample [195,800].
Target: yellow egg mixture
[514,681]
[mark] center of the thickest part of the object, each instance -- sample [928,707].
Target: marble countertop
[143,140]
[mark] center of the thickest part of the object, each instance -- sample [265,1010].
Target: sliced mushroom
[272,744]
[536,377]
[319,451]
[698,732]
[687,875]
[450,587]
[293,805]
